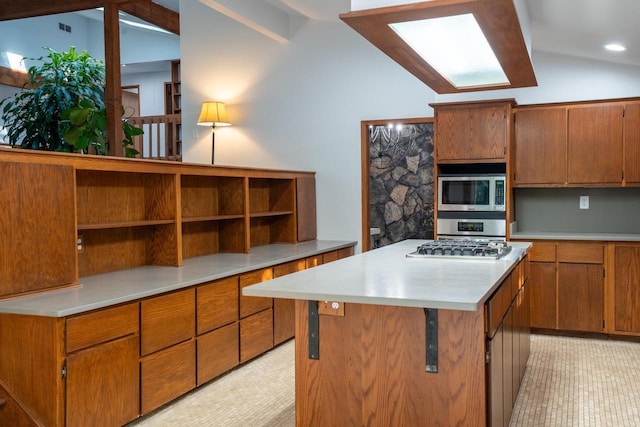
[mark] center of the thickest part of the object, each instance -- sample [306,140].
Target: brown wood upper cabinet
[540,146]
[472,132]
[577,144]
[594,144]
[632,143]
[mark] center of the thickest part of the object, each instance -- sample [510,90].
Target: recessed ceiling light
[615,47]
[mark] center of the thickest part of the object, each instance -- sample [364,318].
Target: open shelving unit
[271,208]
[128,213]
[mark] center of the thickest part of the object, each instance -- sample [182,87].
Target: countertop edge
[194,271]
[267,289]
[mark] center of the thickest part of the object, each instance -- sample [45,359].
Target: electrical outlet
[584,202]
[80,243]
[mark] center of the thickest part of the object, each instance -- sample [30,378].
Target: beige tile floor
[568,382]
[579,382]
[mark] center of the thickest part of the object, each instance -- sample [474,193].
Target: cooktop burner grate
[488,250]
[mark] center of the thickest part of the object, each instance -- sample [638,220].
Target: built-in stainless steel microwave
[480,192]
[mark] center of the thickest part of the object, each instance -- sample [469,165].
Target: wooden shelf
[267,214]
[211,218]
[100,226]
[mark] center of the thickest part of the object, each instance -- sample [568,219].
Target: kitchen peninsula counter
[386,340]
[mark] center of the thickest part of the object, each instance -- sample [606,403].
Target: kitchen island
[382,339]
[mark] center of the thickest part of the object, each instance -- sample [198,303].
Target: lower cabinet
[113,388]
[568,286]
[507,344]
[103,378]
[109,366]
[626,288]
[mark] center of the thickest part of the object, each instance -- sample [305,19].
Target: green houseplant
[62,108]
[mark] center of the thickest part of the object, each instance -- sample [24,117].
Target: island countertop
[385,276]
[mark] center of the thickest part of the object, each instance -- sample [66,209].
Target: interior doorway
[397,181]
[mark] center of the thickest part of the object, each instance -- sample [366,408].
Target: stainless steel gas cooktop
[461,249]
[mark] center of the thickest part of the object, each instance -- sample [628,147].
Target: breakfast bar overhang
[404,341]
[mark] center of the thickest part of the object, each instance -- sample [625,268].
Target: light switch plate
[584,202]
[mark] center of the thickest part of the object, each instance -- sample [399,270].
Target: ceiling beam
[144,9]
[13,78]
[154,14]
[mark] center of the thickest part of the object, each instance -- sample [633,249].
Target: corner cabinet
[477,132]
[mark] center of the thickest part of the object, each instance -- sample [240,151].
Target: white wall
[563,78]
[293,105]
[26,37]
[151,90]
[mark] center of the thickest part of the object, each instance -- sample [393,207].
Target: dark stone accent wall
[401,182]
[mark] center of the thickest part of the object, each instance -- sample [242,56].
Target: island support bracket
[431,326]
[314,327]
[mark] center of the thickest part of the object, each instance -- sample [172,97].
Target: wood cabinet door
[477,133]
[507,365]
[632,143]
[494,383]
[489,134]
[594,147]
[580,297]
[251,305]
[453,134]
[540,146]
[103,384]
[627,288]
[542,293]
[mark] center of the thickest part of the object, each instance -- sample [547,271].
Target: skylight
[455,47]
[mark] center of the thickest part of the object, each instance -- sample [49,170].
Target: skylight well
[455,47]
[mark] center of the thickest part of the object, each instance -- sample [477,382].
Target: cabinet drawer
[328,257]
[256,335]
[167,320]
[584,253]
[217,304]
[313,261]
[497,306]
[101,326]
[543,252]
[218,352]
[288,268]
[167,374]
[250,305]
[345,252]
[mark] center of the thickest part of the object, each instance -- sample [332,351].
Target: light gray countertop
[107,289]
[549,235]
[386,276]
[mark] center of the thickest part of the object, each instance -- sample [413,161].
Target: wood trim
[497,18]
[144,9]
[364,162]
[155,14]
[14,78]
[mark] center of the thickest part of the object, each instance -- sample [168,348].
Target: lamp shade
[213,113]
